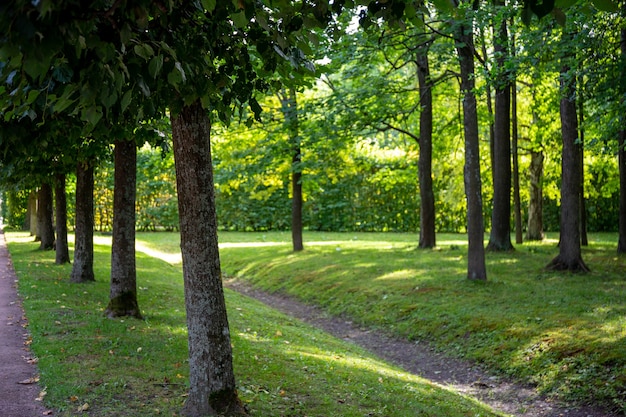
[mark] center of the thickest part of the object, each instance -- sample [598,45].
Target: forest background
[358,123]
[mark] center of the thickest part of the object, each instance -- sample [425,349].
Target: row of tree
[80,79]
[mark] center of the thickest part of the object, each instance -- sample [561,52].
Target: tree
[570,257]
[500,237]
[82,269]
[123,292]
[289,107]
[212,380]
[44,216]
[621,245]
[62,250]
[463,36]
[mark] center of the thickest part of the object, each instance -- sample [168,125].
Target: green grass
[564,332]
[139,368]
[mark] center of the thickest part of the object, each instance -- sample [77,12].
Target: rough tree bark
[476,269]
[44,217]
[123,292]
[500,236]
[569,257]
[289,107]
[427,196]
[535,205]
[212,386]
[62,250]
[82,269]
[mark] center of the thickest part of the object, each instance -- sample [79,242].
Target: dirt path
[420,359]
[18,390]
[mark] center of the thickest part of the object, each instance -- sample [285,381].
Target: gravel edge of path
[420,358]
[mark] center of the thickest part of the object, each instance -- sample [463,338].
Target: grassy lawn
[563,332]
[91,365]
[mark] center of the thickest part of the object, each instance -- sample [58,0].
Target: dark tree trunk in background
[535,204]
[427,196]
[62,250]
[32,213]
[621,244]
[212,385]
[289,107]
[500,236]
[570,257]
[123,294]
[517,204]
[44,217]
[476,269]
[584,241]
[492,133]
[82,269]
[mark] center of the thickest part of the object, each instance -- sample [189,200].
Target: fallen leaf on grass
[83,407]
[29,381]
[47,413]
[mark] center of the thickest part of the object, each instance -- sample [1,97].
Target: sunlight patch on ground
[397,275]
[170,258]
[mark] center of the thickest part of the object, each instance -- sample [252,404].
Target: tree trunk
[621,244]
[476,269]
[32,213]
[517,204]
[44,217]
[211,379]
[123,293]
[82,269]
[500,236]
[427,196]
[584,241]
[535,204]
[570,257]
[62,250]
[289,107]
[492,133]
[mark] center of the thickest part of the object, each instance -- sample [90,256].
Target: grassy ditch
[91,365]
[565,333]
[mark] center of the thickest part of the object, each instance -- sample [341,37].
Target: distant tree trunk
[492,133]
[476,269]
[535,204]
[517,205]
[584,241]
[570,257]
[44,217]
[289,106]
[82,269]
[32,213]
[425,172]
[500,236]
[212,385]
[123,294]
[621,244]
[62,250]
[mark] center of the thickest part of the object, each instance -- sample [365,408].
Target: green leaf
[239,19]
[156,63]
[32,96]
[92,115]
[209,5]
[126,100]
[606,5]
[144,50]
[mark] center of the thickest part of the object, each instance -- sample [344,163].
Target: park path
[19,390]
[421,359]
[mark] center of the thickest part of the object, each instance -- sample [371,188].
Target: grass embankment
[563,332]
[96,366]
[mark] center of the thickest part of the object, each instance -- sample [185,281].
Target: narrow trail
[418,358]
[19,391]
